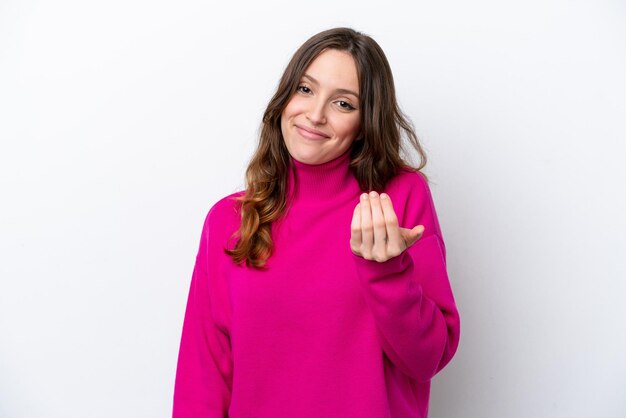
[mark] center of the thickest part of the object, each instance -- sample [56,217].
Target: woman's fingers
[367,229]
[379,246]
[395,240]
[355,230]
[375,231]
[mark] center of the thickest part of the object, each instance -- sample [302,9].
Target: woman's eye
[304,89]
[342,103]
[345,105]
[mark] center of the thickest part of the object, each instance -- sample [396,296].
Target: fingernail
[373,194]
[364,196]
[383,196]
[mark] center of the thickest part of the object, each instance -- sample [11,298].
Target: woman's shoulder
[224,215]
[409,182]
[226,205]
[411,195]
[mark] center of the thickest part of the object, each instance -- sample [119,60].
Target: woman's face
[321,120]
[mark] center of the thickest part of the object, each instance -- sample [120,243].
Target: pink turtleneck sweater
[322,333]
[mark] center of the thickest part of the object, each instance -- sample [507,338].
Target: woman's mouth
[310,133]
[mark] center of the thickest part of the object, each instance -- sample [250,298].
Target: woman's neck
[324,181]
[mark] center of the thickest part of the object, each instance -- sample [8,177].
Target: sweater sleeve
[410,295]
[204,372]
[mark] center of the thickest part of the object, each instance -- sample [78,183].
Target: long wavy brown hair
[374,159]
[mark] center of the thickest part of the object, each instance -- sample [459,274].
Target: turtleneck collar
[321,181]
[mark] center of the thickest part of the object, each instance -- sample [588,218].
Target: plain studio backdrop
[122,122]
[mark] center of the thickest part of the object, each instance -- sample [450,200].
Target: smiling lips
[310,133]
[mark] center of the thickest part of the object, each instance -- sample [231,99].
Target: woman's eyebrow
[344,91]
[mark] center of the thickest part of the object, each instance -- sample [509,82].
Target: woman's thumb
[413,235]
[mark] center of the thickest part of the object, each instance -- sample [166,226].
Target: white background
[122,122]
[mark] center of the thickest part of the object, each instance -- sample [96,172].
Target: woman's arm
[410,294]
[204,372]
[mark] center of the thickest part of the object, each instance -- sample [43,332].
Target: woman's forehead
[334,69]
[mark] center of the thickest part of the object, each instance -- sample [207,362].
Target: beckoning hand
[375,233]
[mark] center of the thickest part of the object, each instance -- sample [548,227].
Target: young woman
[321,290]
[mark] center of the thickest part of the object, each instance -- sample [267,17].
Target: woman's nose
[316,113]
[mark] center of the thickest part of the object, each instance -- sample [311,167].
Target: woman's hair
[374,159]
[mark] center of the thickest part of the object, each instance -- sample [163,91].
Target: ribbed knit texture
[322,332]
